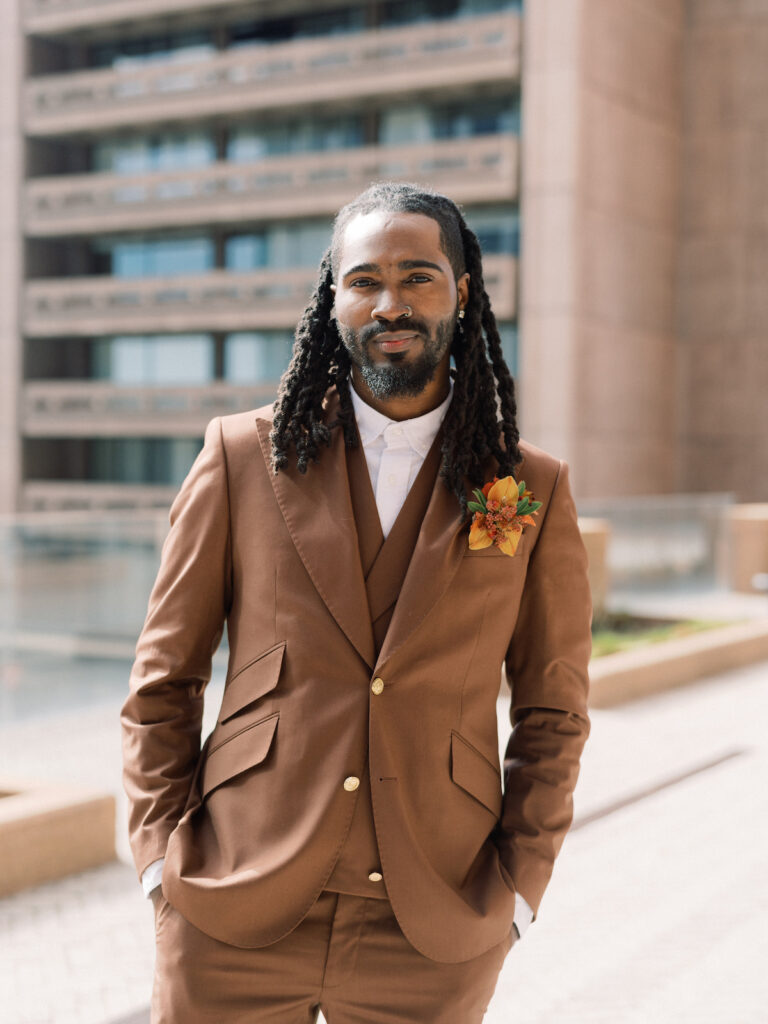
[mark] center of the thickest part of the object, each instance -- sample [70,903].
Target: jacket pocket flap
[475,774]
[242,751]
[252,681]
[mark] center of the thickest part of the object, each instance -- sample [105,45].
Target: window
[134,460]
[406,12]
[160,257]
[124,53]
[414,124]
[128,460]
[305,25]
[509,345]
[497,229]
[183,359]
[279,247]
[253,357]
[250,143]
[153,152]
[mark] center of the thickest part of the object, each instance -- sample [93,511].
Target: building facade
[172,168]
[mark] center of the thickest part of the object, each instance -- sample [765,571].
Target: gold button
[375,876]
[351,784]
[377,686]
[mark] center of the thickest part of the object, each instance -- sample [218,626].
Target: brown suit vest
[385,563]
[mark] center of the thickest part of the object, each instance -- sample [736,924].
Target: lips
[395,341]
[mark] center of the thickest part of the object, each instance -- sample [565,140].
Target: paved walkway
[656,913]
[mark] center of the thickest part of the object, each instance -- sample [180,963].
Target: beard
[398,376]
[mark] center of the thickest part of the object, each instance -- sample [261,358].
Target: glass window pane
[160,257]
[497,229]
[509,345]
[406,125]
[155,359]
[259,356]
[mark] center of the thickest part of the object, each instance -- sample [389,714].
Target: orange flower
[502,509]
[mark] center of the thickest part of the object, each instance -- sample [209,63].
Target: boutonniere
[502,509]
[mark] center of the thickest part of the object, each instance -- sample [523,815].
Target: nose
[390,307]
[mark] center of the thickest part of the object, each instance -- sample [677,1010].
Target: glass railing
[72,602]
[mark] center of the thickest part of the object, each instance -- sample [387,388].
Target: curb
[632,675]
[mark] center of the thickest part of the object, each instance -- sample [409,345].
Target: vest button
[377,686]
[351,783]
[375,876]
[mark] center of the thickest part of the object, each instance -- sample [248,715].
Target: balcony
[484,169]
[48,17]
[85,496]
[219,301]
[105,409]
[401,61]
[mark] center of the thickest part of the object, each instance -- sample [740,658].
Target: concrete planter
[596,534]
[746,551]
[631,675]
[50,831]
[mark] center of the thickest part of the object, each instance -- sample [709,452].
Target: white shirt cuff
[154,873]
[523,914]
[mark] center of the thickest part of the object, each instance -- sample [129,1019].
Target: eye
[419,279]
[362,282]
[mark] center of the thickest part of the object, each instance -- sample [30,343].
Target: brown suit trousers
[348,958]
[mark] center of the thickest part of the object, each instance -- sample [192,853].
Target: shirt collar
[419,431]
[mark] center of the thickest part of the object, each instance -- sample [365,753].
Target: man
[341,841]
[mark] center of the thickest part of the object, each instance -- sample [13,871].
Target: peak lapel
[440,547]
[317,510]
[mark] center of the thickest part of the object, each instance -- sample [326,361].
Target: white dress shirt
[394,452]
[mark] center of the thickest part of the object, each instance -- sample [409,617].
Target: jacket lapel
[317,510]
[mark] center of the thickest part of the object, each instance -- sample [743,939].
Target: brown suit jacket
[252,825]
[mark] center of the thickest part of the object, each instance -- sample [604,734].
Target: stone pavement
[656,913]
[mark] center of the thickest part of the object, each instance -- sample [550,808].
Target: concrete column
[600,201]
[10,254]
[551,129]
[723,299]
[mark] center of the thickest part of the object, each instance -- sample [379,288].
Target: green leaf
[480,497]
[534,506]
[475,506]
[521,487]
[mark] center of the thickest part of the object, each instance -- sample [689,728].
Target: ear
[462,287]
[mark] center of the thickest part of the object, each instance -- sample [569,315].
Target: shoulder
[239,427]
[537,467]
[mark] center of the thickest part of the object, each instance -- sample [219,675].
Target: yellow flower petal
[479,537]
[504,489]
[509,544]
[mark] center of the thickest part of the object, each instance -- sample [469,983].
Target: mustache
[371,331]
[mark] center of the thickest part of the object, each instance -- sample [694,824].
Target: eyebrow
[374,268]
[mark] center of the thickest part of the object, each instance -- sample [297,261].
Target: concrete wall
[723,297]
[10,170]
[600,200]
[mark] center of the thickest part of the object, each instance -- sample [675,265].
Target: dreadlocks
[481,418]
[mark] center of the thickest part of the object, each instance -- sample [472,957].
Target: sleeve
[162,717]
[547,669]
